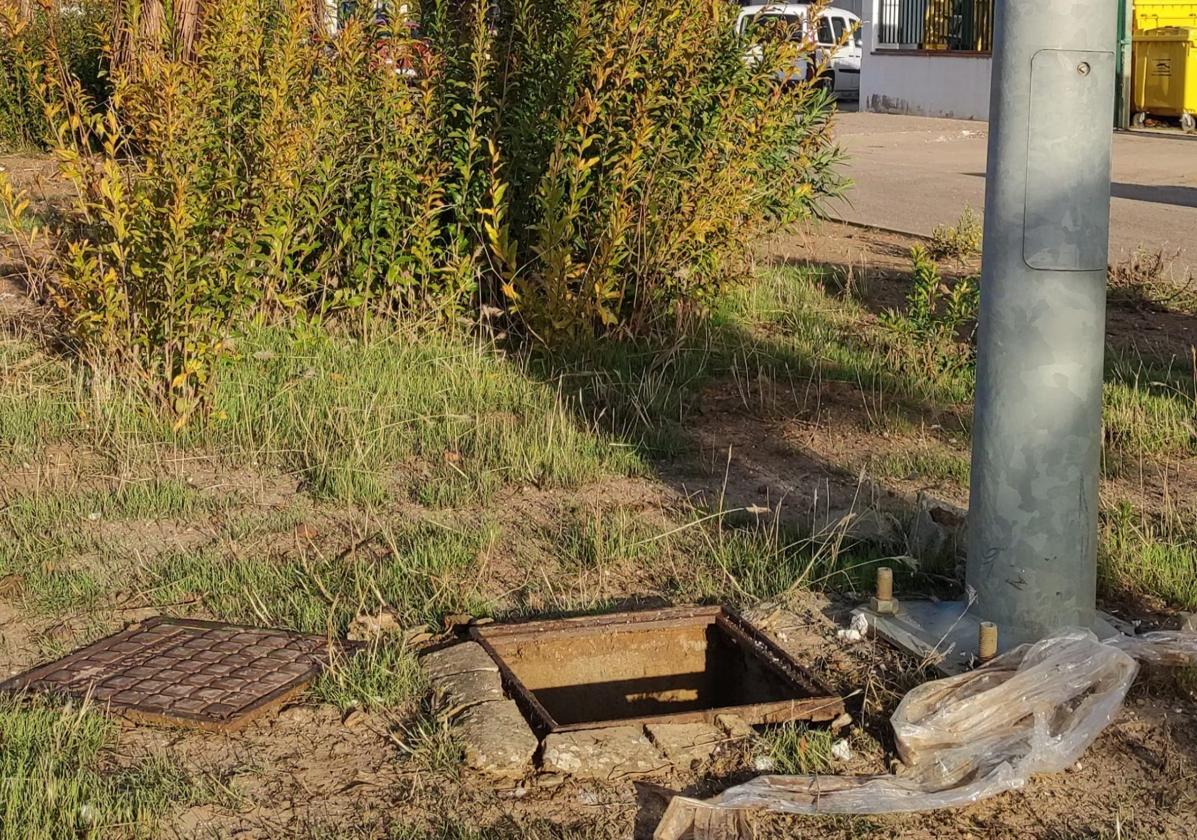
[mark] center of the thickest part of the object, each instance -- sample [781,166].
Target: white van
[829,30]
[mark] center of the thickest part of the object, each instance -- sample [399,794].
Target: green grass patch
[422,572]
[932,465]
[793,749]
[39,403]
[1150,410]
[57,783]
[1154,555]
[52,538]
[385,674]
[346,414]
[797,329]
[447,420]
[599,538]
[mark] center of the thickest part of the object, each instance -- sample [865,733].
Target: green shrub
[276,173]
[587,167]
[939,319]
[640,156]
[959,241]
[71,34]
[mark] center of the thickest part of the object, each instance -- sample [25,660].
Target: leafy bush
[49,34]
[275,173]
[960,241]
[939,319]
[640,156]
[587,167]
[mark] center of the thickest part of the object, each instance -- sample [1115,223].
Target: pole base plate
[944,634]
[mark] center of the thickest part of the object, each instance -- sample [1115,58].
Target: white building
[927,57]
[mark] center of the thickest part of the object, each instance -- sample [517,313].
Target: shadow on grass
[709,413]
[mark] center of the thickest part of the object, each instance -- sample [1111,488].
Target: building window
[936,25]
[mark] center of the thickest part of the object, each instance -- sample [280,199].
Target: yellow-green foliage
[37,33]
[276,173]
[640,154]
[587,167]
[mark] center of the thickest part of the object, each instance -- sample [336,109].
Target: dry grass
[433,477]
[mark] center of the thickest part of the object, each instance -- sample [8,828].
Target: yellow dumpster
[1165,78]
[1154,14]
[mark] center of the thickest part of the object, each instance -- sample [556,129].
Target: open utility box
[678,665]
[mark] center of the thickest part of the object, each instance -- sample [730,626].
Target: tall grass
[1153,555]
[55,784]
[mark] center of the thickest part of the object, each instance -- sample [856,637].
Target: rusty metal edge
[774,656]
[490,635]
[538,715]
[816,709]
[822,705]
[588,624]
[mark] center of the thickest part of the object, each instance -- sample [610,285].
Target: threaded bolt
[987,641]
[884,603]
[885,583]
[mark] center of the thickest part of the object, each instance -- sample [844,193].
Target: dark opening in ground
[688,665]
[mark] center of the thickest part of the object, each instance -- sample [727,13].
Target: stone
[454,693]
[734,726]
[367,627]
[686,745]
[609,754]
[306,531]
[468,656]
[416,637]
[938,534]
[1188,622]
[857,526]
[496,739]
[353,718]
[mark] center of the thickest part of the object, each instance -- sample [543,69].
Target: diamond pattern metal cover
[185,672]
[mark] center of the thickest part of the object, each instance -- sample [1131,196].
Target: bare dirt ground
[312,772]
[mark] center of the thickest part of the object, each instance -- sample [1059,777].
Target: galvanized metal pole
[1037,427]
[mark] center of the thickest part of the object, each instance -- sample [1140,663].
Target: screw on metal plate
[1083,68]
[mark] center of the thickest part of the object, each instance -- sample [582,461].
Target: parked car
[835,33]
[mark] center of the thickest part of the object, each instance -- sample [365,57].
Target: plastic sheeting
[1033,710]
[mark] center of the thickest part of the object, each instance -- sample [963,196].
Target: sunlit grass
[793,749]
[1152,555]
[933,465]
[45,533]
[57,782]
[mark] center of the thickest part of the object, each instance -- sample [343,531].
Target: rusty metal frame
[33,679]
[820,705]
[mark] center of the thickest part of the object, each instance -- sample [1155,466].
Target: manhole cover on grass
[183,672]
[678,665]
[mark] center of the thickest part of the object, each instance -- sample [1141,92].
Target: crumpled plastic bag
[965,738]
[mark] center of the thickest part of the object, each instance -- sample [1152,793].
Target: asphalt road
[912,173]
